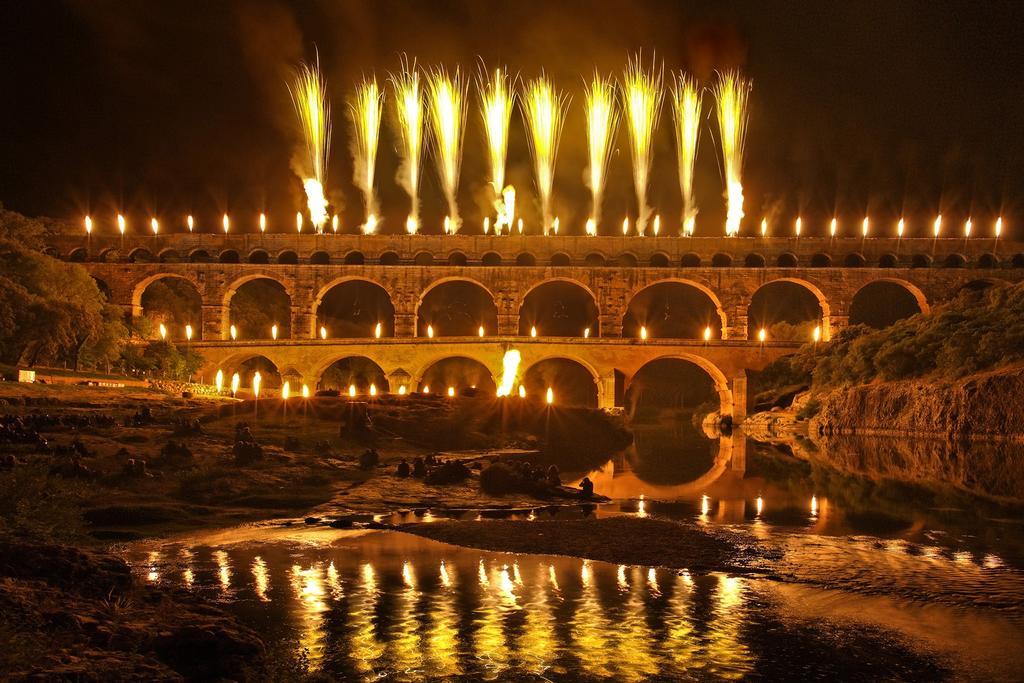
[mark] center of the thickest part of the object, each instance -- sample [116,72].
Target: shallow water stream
[874,581]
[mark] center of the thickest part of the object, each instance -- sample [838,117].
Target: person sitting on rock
[586,489]
[419,468]
[553,477]
[369,459]
[403,469]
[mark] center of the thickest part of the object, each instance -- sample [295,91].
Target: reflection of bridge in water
[587,297]
[649,470]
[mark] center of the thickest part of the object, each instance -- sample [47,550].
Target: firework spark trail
[496,100]
[686,106]
[602,120]
[642,93]
[309,96]
[448,118]
[366,111]
[545,113]
[731,93]
[409,96]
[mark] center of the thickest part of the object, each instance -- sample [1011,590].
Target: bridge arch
[258,257]
[457,259]
[246,364]
[560,260]
[659,259]
[574,381]
[719,381]
[654,295]
[526,259]
[198,256]
[359,322]
[883,301]
[142,285]
[491,259]
[169,255]
[469,294]
[282,320]
[988,260]
[389,258]
[109,255]
[690,260]
[721,260]
[754,260]
[627,259]
[787,260]
[553,317]
[344,370]
[821,260]
[229,256]
[140,255]
[288,257]
[757,319]
[352,258]
[458,372]
[320,258]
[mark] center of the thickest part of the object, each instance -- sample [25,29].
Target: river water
[875,580]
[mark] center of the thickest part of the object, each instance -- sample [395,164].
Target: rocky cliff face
[988,405]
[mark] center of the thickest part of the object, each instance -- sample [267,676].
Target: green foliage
[161,359]
[976,331]
[810,409]
[28,232]
[783,331]
[52,311]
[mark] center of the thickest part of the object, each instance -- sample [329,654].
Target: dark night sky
[170,107]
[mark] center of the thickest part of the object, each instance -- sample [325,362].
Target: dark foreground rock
[73,614]
[619,540]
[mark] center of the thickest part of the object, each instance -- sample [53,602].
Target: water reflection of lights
[652,580]
[814,506]
[187,575]
[223,569]
[505,583]
[334,581]
[408,575]
[524,616]
[992,562]
[963,557]
[484,581]
[641,507]
[261,579]
[760,505]
[308,586]
[705,506]
[153,574]
[446,579]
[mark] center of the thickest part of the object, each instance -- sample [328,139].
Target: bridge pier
[213,322]
[606,390]
[741,397]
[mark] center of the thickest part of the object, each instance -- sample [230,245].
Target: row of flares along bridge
[590,228]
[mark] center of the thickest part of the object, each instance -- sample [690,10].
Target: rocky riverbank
[986,405]
[74,614]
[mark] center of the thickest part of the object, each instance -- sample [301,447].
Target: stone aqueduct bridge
[612,270]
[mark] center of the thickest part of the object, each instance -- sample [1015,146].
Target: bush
[810,409]
[976,331]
